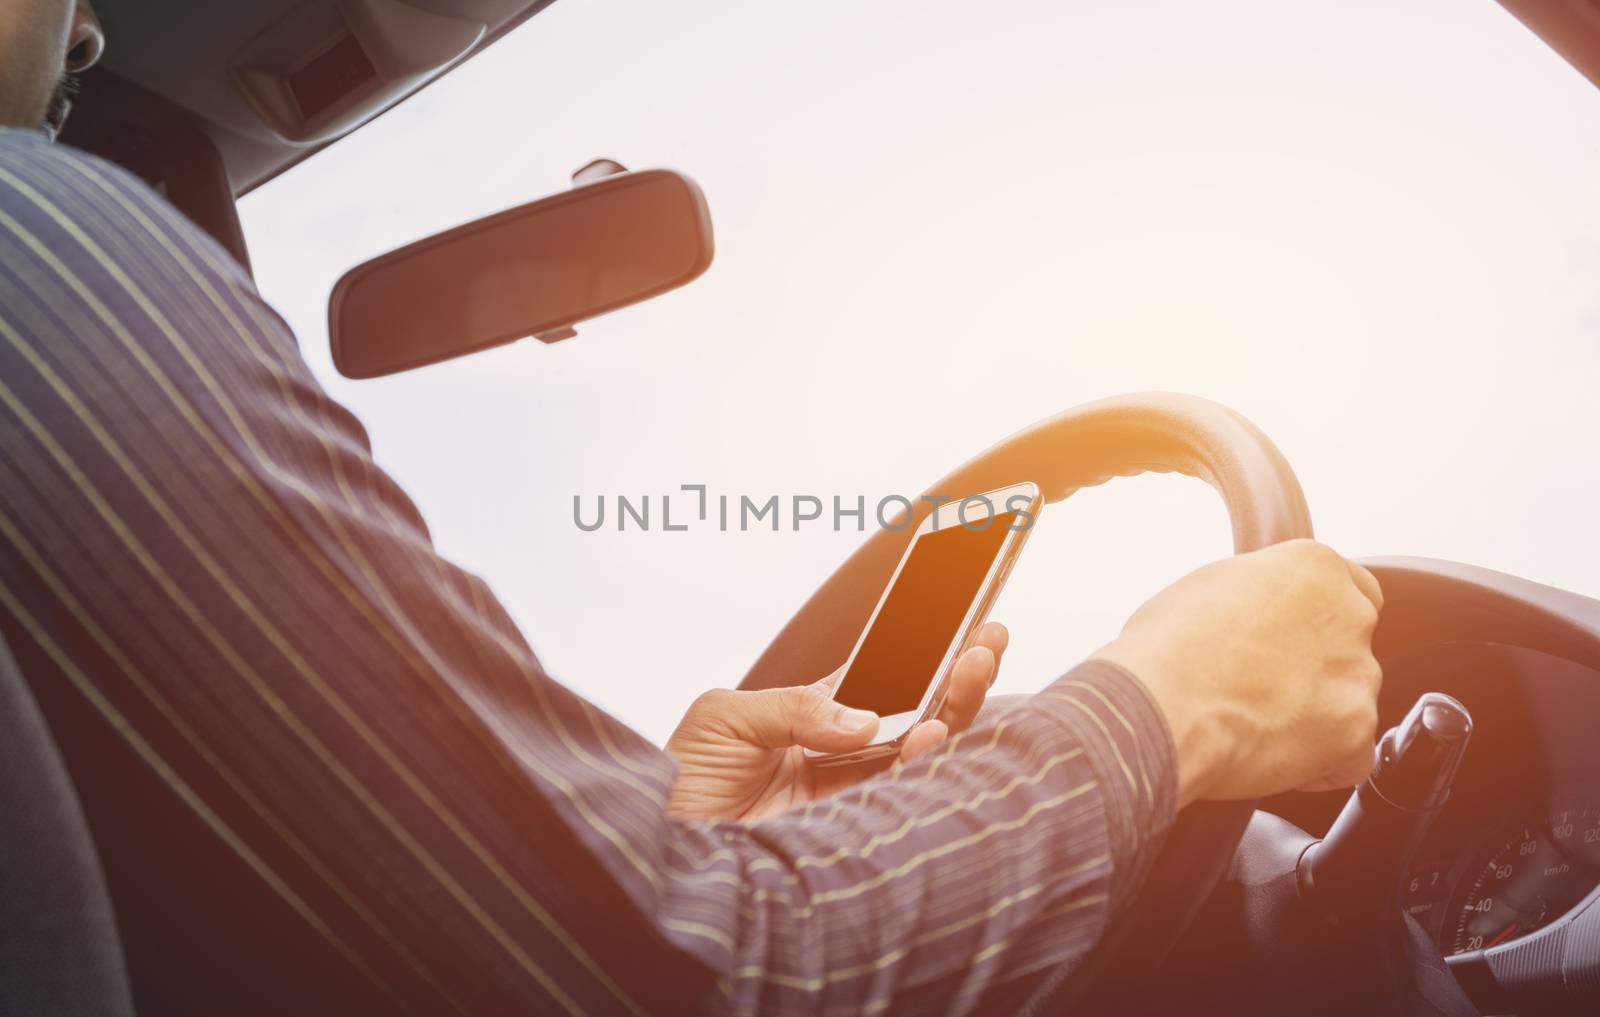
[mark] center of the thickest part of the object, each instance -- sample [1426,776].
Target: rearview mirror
[534,270]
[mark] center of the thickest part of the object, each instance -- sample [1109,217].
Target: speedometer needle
[1505,934]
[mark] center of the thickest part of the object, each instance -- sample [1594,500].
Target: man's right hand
[1262,664]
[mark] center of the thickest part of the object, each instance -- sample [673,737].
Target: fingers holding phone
[970,679]
[925,659]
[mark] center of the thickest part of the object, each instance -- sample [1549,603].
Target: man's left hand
[740,754]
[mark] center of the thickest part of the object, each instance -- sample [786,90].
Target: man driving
[296,716]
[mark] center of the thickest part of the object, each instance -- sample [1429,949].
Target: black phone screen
[921,617]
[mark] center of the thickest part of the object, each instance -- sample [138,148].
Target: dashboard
[1517,847]
[1506,882]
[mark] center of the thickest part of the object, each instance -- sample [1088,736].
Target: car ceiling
[182,51]
[1571,27]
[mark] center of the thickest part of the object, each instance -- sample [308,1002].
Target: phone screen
[921,617]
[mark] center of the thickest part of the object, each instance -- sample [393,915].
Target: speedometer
[1540,872]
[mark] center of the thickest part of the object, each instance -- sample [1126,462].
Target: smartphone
[938,598]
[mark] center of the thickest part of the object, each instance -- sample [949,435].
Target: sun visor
[328,65]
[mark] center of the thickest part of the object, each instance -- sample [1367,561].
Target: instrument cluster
[1517,878]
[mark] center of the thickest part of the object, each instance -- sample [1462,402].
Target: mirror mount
[595,169]
[555,335]
[588,173]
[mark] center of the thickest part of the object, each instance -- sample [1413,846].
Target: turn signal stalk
[1351,874]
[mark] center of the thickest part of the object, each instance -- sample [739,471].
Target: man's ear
[86,41]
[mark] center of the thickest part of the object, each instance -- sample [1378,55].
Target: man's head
[42,42]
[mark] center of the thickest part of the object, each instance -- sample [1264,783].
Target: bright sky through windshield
[1372,228]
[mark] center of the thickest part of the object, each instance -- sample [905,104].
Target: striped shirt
[327,774]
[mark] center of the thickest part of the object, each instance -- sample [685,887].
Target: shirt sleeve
[197,543]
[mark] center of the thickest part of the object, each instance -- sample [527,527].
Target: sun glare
[1370,229]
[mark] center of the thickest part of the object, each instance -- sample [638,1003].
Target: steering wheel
[1122,436]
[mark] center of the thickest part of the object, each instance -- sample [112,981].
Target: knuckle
[1366,745]
[1314,571]
[713,700]
[1364,728]
[1361,673]
[1366,612]
[1372,582]
[811,700]
[1316,553]
[1294,553]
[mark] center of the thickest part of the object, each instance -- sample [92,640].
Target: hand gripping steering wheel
[1122,436]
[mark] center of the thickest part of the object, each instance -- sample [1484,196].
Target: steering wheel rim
[1149,432]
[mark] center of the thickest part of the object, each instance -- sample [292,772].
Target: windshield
[1374,230]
